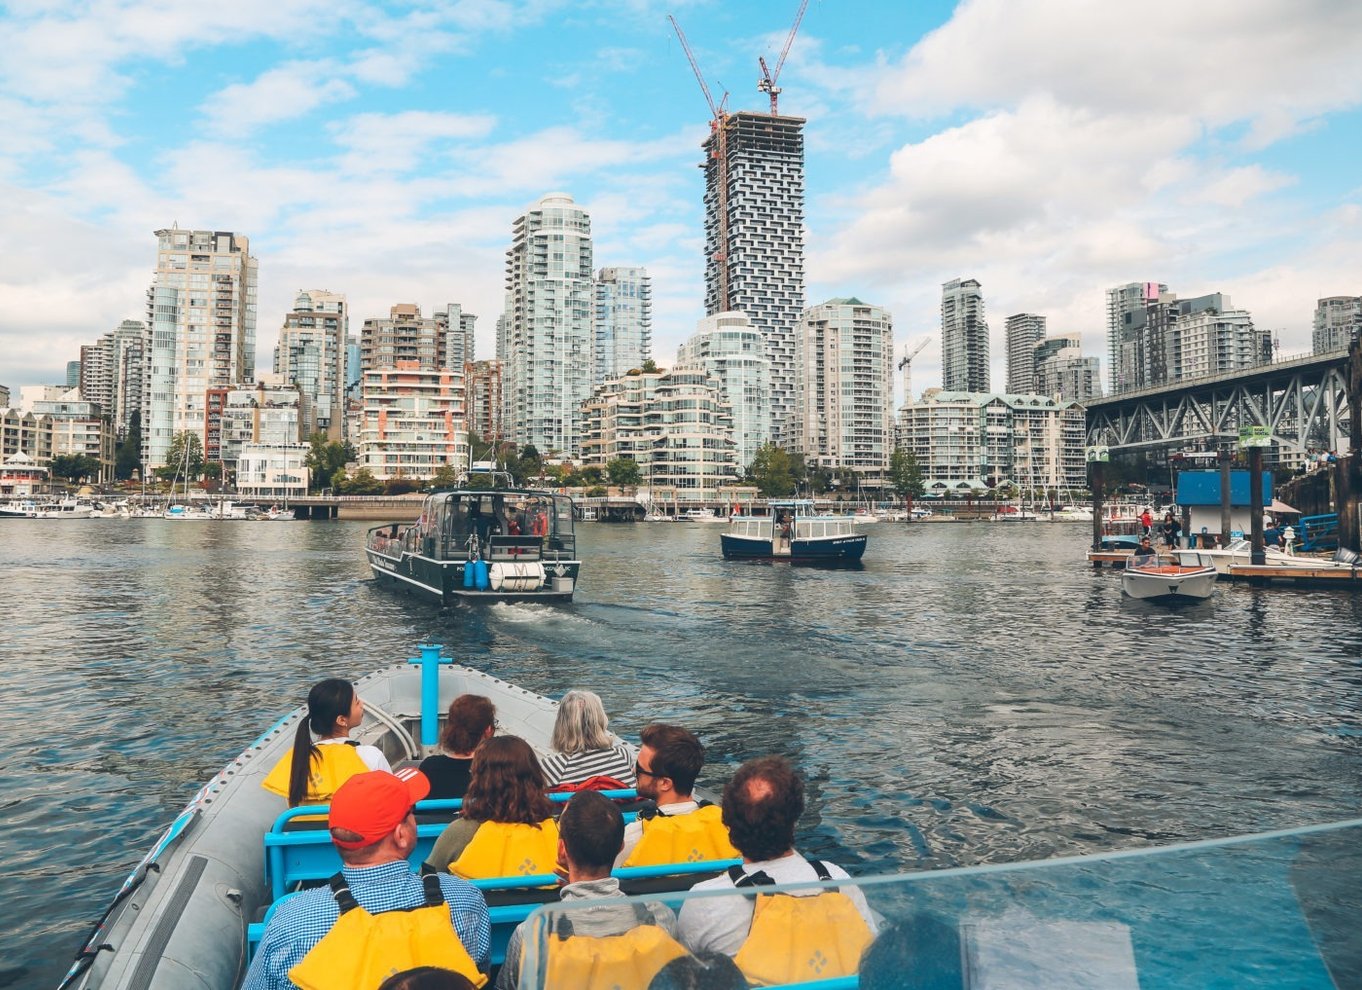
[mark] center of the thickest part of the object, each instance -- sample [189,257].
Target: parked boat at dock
[1149,578]
[502,544]
[793,532]
[1240,552]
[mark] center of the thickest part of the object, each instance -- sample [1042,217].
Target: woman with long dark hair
[312,770]
[506,826]
[471,719]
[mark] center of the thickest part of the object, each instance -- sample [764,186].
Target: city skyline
[384,155]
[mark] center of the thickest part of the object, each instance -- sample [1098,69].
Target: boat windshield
[1272,910]
[452,524]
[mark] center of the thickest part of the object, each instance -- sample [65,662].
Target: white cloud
[397,142]
[282,93]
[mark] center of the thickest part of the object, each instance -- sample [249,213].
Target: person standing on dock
[1147,522]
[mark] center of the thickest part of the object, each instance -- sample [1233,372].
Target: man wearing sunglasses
[674,828]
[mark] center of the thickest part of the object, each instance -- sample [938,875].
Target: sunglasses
[640,772]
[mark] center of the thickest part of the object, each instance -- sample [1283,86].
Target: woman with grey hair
[582,746]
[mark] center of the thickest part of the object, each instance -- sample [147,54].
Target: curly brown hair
[469,718]
[761,805]
[506,784]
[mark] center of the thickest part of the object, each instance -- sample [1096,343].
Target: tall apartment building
[1024,331]
[433,342]
[964,337]
[413,422]
[111,373]
[676,425]
[459,336]
[73,374]
[264,412]
[1159,339]
[624,322]
[546,339]
[1062,372]
[4,396]
[971,441]
[1127,311]
[311,355]
[1337,319]
[732,350]
[483,399]
[201,331]
[844,390]
[79,428]
[761,267]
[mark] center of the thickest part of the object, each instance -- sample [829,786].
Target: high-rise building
[311,355]
[1062,372]
[79,428]
[1127,312]
[546,339]
[760,270]
[73,374]
[1337,319]
[624,322]
[1024,331]
[844,390]
[483,399]
[4,396]
[406,335]
[268,411]
[1157,338]
[413,422]
[964,337]
[111,371]
[732,350]
[459,332]
[201,331]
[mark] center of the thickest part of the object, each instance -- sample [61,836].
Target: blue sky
[1049,148]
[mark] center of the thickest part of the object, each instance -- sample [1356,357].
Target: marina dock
[1349,577]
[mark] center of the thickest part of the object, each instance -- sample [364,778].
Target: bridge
[1304,402]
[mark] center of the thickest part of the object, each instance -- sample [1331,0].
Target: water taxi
[501,544]
[1148,577]
[794,532]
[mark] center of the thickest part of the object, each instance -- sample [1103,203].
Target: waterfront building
[1024,332]
[4,396]
[624,322]
[22,432]
[459,336]
[432,342]
[844,391]
[484,399]
[1062,372]
[1127,311]
[1337,320]
[311,354]
[413,421]
[964,337]
[79,428]
[353,371]
[760,270]
[731,349]
[73,374]
[273,470]
[200,331]
[264,412]
[546,340]
[112,373]
[973,441]
[21,476]
[676,425]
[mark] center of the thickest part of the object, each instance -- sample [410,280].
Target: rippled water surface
[975,694]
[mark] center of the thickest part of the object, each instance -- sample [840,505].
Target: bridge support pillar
[1257,555]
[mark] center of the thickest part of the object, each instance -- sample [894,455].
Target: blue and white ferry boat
[794,532]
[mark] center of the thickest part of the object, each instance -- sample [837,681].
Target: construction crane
[718,153]
[906,366]
[767,82]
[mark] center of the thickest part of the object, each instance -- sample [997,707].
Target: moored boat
[501,544]
[794,532]
[700,516]
[1149,578]
[1240,552]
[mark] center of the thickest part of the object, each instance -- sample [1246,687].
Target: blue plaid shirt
[300,922]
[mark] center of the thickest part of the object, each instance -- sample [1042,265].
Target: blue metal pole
[430,661]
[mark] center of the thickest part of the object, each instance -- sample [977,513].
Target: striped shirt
[301,921]
[617,762]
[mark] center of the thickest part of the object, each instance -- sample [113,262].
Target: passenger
[620,945]
[376,915]
[702,971]
[676,828]
[582,748]
[775,938]
[471,719]
[427,978]
[921,952]
[310,773]
[1145,549]
[506,827]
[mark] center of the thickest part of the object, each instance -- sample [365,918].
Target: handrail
[433,805]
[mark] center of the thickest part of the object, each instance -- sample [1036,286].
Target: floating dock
[1348,577]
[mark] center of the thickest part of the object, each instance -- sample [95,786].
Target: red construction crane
[718,151]
[767,82]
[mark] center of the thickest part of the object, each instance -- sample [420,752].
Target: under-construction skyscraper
[760,269]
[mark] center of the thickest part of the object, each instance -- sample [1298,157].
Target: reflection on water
[974,694]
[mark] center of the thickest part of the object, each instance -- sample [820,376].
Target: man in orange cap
[375,917]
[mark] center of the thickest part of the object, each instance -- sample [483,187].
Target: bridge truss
[1303,402]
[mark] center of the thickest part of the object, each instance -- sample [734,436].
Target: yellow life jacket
[362,950]
[504,849]
[796,939]
[333,765]
[627,961]
[696,837]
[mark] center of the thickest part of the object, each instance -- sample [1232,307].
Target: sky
[1050,149]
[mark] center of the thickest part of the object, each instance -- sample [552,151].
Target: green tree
[528,465]
[325,459]
[624,472]
[186,455]
[650,367]
[400,486]
[773,472]
[588,477]
[905,474]
[74,467]
[128,453]
[446,477]
[362,482]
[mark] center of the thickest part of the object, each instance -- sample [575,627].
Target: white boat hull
[1170,584]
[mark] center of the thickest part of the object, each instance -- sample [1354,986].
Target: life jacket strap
[760,879]
[340,890]
[562,926]
[435,895]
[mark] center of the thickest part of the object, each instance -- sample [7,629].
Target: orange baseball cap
[373,804]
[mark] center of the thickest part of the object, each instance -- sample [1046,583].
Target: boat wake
[522,613]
